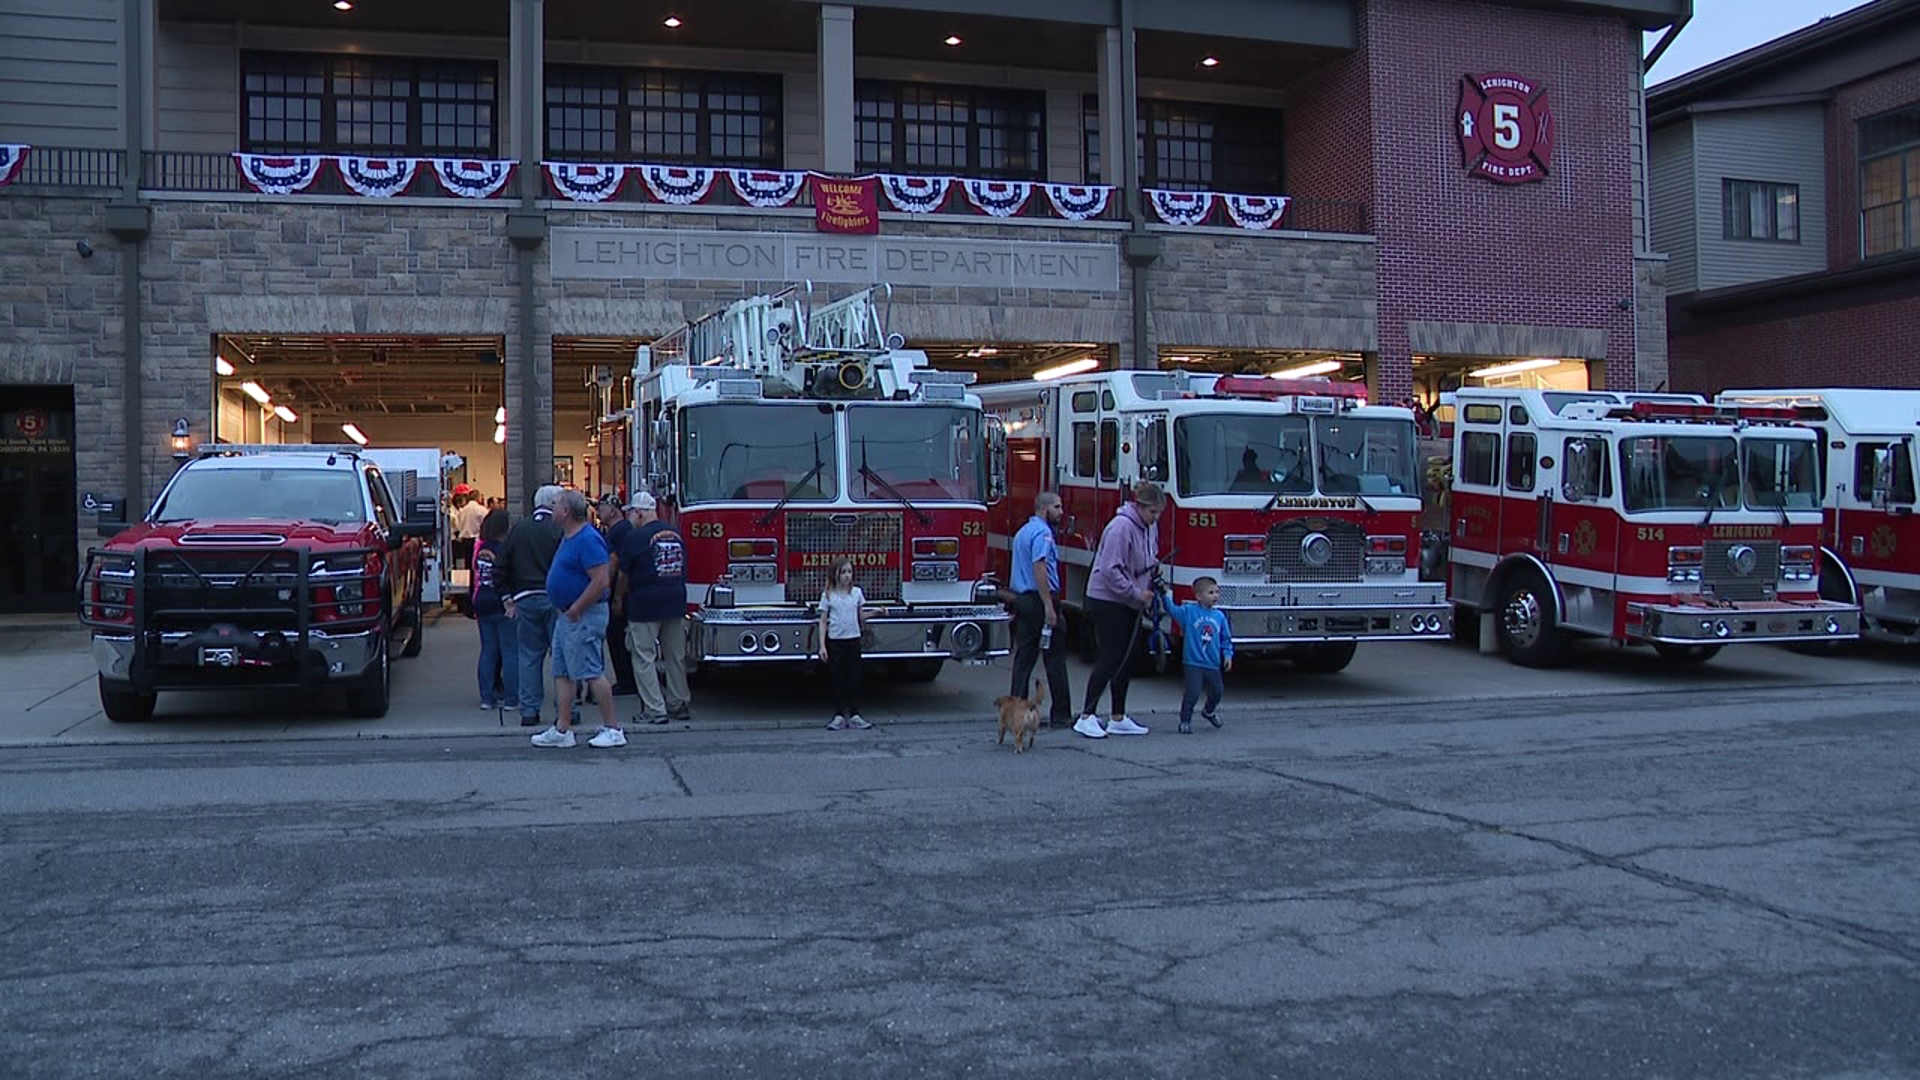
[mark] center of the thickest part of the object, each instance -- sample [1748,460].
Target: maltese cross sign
[1506,128]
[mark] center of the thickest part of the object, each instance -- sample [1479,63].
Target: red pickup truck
[259,567]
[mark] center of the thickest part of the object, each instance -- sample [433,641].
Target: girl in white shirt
[843,619]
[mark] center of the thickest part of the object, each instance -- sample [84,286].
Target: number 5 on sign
[1506,126]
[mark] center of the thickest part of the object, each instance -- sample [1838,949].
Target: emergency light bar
[239,449]
[1673,410]
[1262,387]
[930,377]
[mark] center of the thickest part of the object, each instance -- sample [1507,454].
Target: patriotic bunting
[679,185]
[272,175]
[1255,211]
[915,194]
[377,178]
[766,189]
[472,179]
[12,156]
[1000,198]
[585,183]
[1077,203]
[1181,207]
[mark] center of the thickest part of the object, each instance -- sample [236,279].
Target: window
[1368,456]
[1086,454]
[1680,472]
[1252,453]
[920,453]
[1890,182]
[1753,210]
[691,117]
[1521,448]
[1592,448]
[911,128]
[1085,401]
[1901,462]
[1195,146]
[1109,450]
[1480,458]
[758,451]
[1483,414]
[384,513]
[373,105]
[1780,474]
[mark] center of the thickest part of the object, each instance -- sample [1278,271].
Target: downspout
[1140,248]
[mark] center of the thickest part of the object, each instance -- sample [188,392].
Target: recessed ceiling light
[953,39]
[343,5]
[1211,61]
[672,23]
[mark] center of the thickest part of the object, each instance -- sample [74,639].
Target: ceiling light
[499,434]
[1319,367]
[221,366]
[1071,367]
[500,415]
[343,5]
[1512,368]
[1211,61]
[672,22]
[257,392]
[354,433]
[952,40]
[286,415]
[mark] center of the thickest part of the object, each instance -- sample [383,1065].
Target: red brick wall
[1458,248]
[1852,104]
[1330,132]
[1870,345]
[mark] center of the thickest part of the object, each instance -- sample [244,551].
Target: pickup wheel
[1526,620]
[1685,654]
[416,628]
[125,705]
[368,699]
[1324,658]
[920,671]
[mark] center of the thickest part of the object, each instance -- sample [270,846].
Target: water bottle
[1046,638]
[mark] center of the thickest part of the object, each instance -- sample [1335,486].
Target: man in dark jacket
[613,522]
[653,591]
[522,577]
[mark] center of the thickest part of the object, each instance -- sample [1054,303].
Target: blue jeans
[1198,679]
[535,623]
[499,660]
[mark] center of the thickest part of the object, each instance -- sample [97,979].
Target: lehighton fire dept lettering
[813,560]
[1743,532]
[1315,502]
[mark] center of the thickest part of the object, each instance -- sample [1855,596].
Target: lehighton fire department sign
[1506,128]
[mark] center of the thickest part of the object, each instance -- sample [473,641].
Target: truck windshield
[328,496]
[1365,455]
[1243,452]
[923,451]
[759,452]
[1680,472]
[1781,474]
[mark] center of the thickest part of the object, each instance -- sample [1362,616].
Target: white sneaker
[858,722]
[1125,726]
[837,723]
[554,737]
[1089,726]
[608,737]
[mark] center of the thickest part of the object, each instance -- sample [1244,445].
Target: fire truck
[785,435]
[1662,521]
[1299,498]
[1871,547]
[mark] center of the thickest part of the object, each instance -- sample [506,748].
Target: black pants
[843,662]
[618,657]
[1029,618]
[1113,632]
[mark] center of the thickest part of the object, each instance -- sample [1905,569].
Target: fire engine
[1871,551]
[786,435]
[1673,523]
[1299,498]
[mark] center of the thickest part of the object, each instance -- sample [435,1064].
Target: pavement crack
[673,770]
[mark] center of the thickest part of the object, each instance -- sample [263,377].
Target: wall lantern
[179,440]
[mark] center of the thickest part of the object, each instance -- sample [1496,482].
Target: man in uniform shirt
[1036,588]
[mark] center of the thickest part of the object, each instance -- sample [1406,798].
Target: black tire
[125,705]
[1466,625]
[1685,654]
[1527,622]
[417,628]
[369,698]
[919,671]
[1324,658]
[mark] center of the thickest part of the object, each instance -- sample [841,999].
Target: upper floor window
[372,105]
[911,128]
[693,117]
[1890,182]
[1196,146]
[1753,210]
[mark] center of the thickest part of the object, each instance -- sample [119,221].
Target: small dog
[1020,716]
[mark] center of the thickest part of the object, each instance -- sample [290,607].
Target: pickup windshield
[759,452]
[923,451]
[1365,455]
[328,496]
[1680,472]
[1243,453]
[1781,474]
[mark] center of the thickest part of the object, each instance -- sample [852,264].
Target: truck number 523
[707,530]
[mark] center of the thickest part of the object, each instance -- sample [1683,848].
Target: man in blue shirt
[653,590]
[578,583]
[615,526]
[1036,608]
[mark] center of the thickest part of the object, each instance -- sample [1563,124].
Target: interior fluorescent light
[1211,61]
[1511,368]
[1318,367]
[672,22]
[343,5]
[1071,367]
[257,392]
[952,40]
[286,415]
[499,433]
[354,433]
[500,415]
[221,366]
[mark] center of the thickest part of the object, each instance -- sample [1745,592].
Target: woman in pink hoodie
[1120,588]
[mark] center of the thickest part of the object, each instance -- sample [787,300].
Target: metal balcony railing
[67,167]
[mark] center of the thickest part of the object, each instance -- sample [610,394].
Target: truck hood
[240,533]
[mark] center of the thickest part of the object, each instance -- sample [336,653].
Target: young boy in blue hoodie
[1207,650]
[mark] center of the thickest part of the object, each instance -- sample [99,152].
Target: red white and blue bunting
[472,179]
[1078,203]
[677,184]
[279,175]
[585,183]
[766,189]
[377,178]
[12,156]
[1000,198]
[915,194]
[1181,207]
[1256,211]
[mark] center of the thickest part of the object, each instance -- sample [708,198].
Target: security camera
[85,249]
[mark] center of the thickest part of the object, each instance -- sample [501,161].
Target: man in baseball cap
[653,590]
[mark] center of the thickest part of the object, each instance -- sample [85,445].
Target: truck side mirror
[662,433]
[1576,484]
[996,458]
[1882,494]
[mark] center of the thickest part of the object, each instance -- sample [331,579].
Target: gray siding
[198,70]
[1786,144]
[1671,204]
[60,72]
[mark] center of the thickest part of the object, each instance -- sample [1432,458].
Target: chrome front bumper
[329,656]
[758,635]
[1282,614]
[1748,621]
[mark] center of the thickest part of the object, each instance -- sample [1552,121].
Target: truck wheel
[124,704]
[369,698]
[1526,622]
[1685,654]
[416,628]
[1466,625]
[1324,658]
[920,671]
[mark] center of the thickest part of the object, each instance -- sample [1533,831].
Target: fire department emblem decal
[1506,128]
[31,424]
[1585,538]
[1884,541]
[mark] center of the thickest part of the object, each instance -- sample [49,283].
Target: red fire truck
[784,435]
[1300,498]
[1668,522]
[1871,555]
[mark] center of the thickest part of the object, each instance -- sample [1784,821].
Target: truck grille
[814,540]
[1286,562]
[1719,573]
[181,583]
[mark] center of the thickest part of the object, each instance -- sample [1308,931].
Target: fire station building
[449,224]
